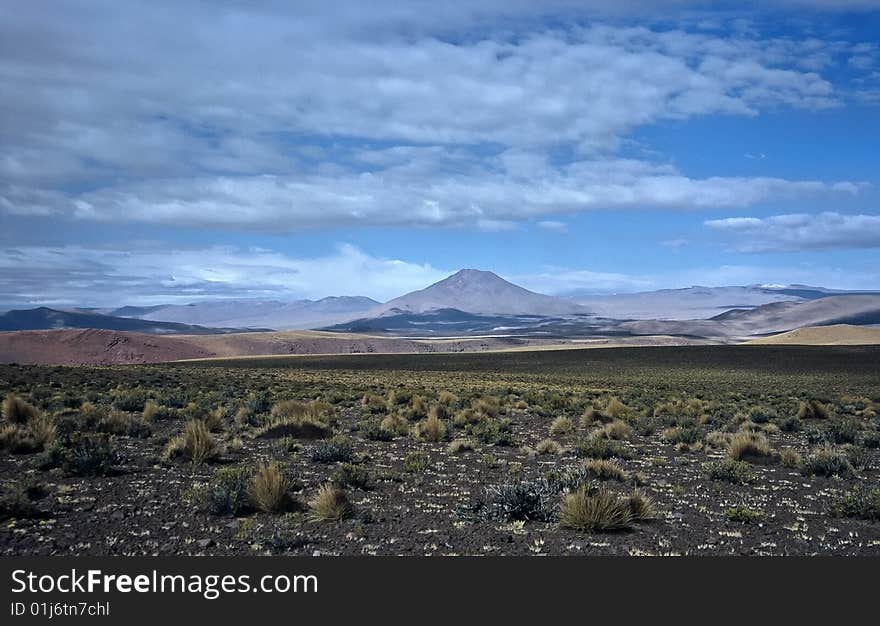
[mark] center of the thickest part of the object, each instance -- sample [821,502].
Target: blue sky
[179,151]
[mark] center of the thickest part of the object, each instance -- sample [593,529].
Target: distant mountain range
[473,302]
[296,315]
[43,318]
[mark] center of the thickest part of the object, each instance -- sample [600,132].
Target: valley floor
[735,450]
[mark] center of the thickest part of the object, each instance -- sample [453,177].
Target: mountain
[697,302]
[784,316]
[296,315]
[43,318]
[835,335]
[480,293]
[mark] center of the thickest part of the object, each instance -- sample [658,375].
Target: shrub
[372,429]
[615,408]
[641,506]
[729,470]
[871,440]
[16,503]
[548,446]
[132,400]
[750,447]
[604,469]
[43,429]
[460,445]
[561,426]
[744,515]
[601,449]
[196,444]
[123,424]
[430,429]
[520,500]
[717,439]
[419,409]
[843,431]
[416,462]
[268,488]
[298,426]
[826,461]
[790,458]
[790,425]
[90,455]
[618,429]
[811,410]
[600,512]
[228,492]
[154,412]
[682,434]
[859,503]
[17,411]
[334,450]
[489,406]
[351,475]
[395,424]
[762,415]
[447,399]
[492,431]
[330,504]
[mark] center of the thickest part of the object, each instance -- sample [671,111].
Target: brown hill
[836,335]
[93,347]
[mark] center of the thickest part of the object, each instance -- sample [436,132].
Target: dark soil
[149,506]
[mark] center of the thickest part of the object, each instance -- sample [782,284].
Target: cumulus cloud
[278,115]
[150,274]
[800,231]
[489,198]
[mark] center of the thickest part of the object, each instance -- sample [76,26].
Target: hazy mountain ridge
[43,318]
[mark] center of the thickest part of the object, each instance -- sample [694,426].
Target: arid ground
[708,450]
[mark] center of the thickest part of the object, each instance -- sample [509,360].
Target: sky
[177,151]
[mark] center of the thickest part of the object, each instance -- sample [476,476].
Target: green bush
[228,493]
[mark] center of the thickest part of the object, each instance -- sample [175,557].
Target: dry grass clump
[458,446]
[750,447]
[790,457]
[590,417]
[467,416]
[618,430]
[430,429]
[17,411]
[490,406]
[615,409]
[561,426]
[26,429]
[395,423]
[600,512]
[196,444]
[300,420]
[548,446]
[605,469]
[717,439]
[447,398]
[330,504]
[812,410]
[827,461]
[268,488]
[641,506]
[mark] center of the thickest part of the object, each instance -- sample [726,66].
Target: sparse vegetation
[330,504]
[602,511]
[319,419]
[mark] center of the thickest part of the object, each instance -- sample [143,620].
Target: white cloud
[483,195]
[149,274]
[800,231]
[553,226]
[266,114]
